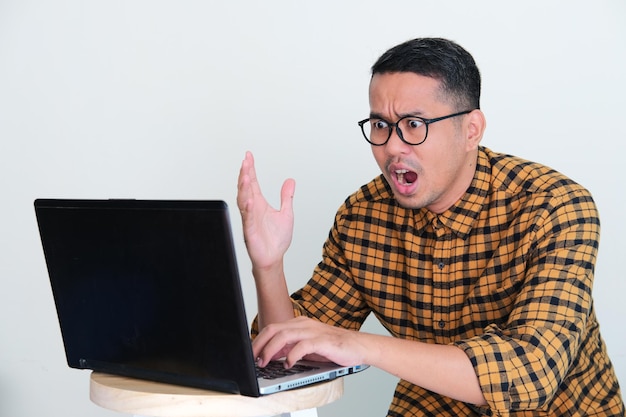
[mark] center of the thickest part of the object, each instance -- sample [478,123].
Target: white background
[160,99]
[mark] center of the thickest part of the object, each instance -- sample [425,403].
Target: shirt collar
[461,217]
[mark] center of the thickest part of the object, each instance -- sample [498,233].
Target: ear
[475,125]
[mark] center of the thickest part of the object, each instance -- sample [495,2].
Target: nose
[396,143]
[398,131]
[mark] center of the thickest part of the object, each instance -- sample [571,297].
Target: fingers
[294,340]
[247,183]
[266,346]
[286,196]
[273,342]
[249,189]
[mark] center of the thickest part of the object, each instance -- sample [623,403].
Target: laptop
[151,290]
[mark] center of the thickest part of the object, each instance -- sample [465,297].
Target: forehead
[404,91]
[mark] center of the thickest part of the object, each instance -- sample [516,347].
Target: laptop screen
[149,289]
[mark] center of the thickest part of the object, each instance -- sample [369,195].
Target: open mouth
[405,177]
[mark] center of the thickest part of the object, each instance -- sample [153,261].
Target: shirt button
[441,324]
[441,265]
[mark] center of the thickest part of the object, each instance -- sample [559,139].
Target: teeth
[400,175]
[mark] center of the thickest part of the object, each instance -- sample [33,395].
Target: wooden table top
[147,398]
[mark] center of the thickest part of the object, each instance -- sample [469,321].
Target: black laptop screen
[147,287]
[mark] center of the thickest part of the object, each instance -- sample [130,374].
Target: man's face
[436,173]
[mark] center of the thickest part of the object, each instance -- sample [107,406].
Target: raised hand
[267,231]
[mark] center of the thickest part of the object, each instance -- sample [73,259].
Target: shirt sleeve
[522,362]
[331,295]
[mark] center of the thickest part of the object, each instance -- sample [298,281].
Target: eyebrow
[399,116]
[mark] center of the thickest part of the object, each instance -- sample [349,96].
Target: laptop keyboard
[275,370]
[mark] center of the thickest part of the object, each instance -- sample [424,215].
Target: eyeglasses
[411,130]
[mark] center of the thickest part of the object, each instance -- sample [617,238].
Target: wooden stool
[147,398]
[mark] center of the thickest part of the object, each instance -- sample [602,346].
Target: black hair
[440,59]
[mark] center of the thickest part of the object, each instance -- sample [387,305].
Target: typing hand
[267,231]
[305,338]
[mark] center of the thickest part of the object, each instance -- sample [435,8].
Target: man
[479,264]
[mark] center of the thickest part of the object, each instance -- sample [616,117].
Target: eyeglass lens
[411,129]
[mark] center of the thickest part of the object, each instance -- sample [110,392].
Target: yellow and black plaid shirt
[505,274]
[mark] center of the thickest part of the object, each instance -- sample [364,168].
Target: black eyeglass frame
[399,131]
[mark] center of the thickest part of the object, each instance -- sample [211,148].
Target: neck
[459,188]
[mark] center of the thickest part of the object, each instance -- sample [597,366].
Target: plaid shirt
[505,274]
